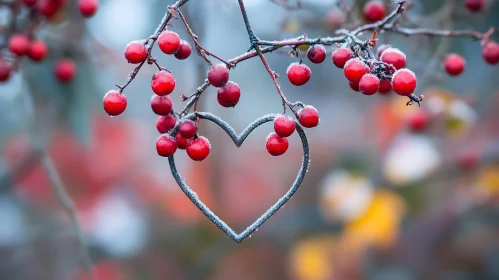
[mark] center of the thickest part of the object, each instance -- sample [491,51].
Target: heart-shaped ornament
[238,140]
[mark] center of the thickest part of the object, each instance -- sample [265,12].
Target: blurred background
[392,192]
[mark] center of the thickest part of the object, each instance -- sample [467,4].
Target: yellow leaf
[310,259]
[488,181]
[378,226]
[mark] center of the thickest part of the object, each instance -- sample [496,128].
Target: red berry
[184,51]
[404,82]
[163,83]
[394,57]
[418,121]
[369,84]
[298,74]
[229,94]
[49,8]
[88,7]
[19,44]
[333,20]
[187,129]
[308,117]
[198,148]
[161,105]
[29,3]
[385,86]
[374,11]
[490,52]
[135,52]
[181,141]
[284,125]
[37,51]
[4,71]
[218,75]
[65,70]
[166,145]
[316,54]
[114,103]
[354,86]
[474,5]
[354,69]
[165,123]
[381,49]
[169,42]
[341,56]
[276,145]
[454,64]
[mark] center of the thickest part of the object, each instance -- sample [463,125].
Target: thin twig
[68,206]
[203,52]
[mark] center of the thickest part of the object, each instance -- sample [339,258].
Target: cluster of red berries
[382,74]
[197,147]
[21,44]
[367,75]
[163,84]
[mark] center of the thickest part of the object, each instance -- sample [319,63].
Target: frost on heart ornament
[238,141]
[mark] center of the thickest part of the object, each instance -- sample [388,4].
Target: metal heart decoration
[238,140]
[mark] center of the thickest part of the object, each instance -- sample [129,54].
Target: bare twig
[203,52]
[68,206]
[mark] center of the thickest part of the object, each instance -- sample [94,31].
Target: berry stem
[202,52]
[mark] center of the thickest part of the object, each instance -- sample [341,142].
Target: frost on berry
[369,84]
[166,145]
[404,82]
[163,83]
[381,49]
[169,42]
[354,69]
[198,149]
[298,74]
[394,57]
[308,116]
[229,94]
[276,145]
[135,52]
[341,56]
[187,129]
[165,123]
[284,125]
[114,103]
[218,75]
[316,54]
